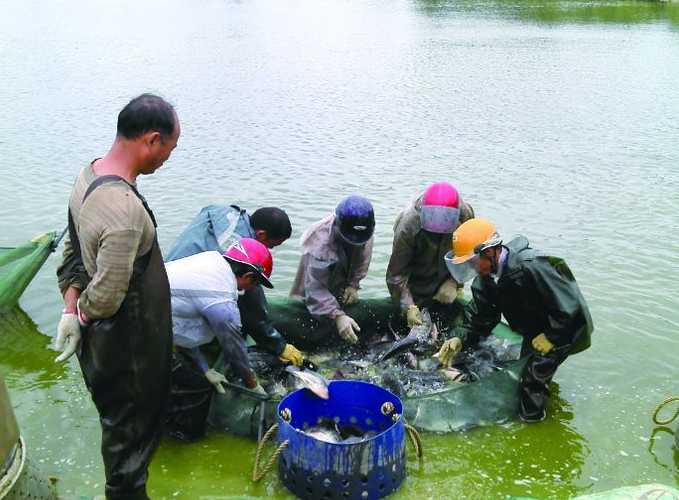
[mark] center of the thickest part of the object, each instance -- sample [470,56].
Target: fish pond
[557,119]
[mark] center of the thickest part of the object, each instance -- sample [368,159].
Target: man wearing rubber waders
[336,254]
[116,293]
[215,228]
[205,289]
[416,275]
[536,293]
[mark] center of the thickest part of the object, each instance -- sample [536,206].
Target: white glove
[448,351]
[350,296]
[347,328]
[447,292]
[68,336]
[216,379]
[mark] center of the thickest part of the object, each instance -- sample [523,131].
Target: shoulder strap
[105,179]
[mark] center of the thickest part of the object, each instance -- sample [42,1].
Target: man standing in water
[536,293]
[116,293]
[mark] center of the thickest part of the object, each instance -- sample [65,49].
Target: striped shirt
[114,229]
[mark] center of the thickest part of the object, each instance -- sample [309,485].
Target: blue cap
[355,219]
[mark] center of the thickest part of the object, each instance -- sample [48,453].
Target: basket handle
[257,475]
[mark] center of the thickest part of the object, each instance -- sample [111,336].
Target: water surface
[556,119]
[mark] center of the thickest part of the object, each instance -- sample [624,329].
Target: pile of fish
[403,365]
[330,431]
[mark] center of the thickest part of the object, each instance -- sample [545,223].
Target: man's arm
[317,296]
[71,296]
[561,297]
[72,279]
[481,314]
[224,319]
[361,269]
[256,323]
[197,356]
[71,273]
[114,265]
[399,268]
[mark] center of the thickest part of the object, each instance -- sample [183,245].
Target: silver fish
[329,431]
[419,338]
[324,434]
[310,380]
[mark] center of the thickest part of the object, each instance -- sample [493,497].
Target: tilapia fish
[419,339]
[310,380]
[329,431]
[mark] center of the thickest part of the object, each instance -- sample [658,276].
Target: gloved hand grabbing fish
[291,355]
[449,350]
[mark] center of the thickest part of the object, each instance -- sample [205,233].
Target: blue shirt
[215,228]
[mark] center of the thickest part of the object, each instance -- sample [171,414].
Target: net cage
[18,266]
[489,400]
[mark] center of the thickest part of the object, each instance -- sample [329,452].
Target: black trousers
[125,361]
[129,386]
[535,380]
[190,398]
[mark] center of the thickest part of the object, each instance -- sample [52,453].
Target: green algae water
[557,119]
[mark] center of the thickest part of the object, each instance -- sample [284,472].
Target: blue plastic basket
[373,468]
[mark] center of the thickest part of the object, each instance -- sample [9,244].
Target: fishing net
[430,402]
[18,266]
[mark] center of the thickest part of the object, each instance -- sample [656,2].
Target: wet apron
[125,361]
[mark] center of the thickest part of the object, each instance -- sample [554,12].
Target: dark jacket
[416,267]
[536,294]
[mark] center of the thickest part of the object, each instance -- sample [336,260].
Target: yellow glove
[542,344]
[292,355]
[413,316]
[350,296]
[448,351]
[447,292]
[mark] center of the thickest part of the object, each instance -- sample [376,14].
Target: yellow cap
[469,235]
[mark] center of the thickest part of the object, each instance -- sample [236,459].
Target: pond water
[556,119]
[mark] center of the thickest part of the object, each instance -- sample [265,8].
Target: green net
[491,399]
[18,266]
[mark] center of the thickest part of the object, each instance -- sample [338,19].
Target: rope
[256,473]
[415,439]
[661,406]
[16,468]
